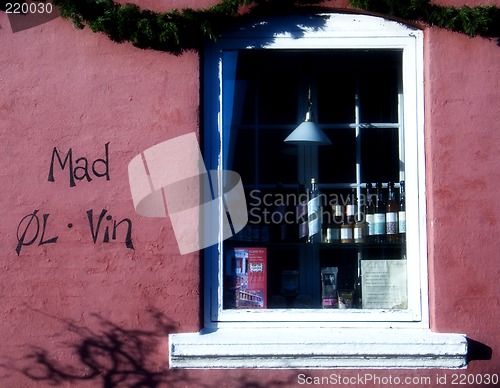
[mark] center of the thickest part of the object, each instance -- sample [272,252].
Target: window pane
[337,163]
[271,85]
[379,155]
[336,95]
[242,157]
[239,87]
[278,93]
[245,98]
[352,91]
[277,160]
[378,95]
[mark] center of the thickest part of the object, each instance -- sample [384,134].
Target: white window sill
[318,348]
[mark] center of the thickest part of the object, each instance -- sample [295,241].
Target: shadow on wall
[478,351]
[111,356]
[107,355]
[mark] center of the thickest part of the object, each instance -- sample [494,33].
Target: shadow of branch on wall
[107,355]
[101,353]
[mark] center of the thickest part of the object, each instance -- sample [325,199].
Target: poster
[383,284]
[246,283]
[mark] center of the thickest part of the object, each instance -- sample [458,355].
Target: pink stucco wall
[77,312]
[463,171]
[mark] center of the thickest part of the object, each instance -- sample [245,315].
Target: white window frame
[397,334]
[372,33]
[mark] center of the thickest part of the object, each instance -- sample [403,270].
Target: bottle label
[402,222]
[351,210]
[314,219]
[379,223]
[314,227]
[346,234]
[302,211]
[332,234]
[338,211]
[313,206]
[392,223]
[302,230]
[370,218]
[359,233]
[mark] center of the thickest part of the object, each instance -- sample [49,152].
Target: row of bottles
[311,216]
[360,220]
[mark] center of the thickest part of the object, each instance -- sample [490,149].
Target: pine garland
[473,21]
[178,31]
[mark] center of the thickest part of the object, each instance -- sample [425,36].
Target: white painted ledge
[318,348]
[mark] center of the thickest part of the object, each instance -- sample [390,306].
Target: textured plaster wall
[79,312]
[463,179]
[76,90]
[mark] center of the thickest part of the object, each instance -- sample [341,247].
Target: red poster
[246,285]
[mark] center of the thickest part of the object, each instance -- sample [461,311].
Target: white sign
[383,284]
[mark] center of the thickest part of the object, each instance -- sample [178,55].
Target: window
[364,77]
[358,94]
[365,97]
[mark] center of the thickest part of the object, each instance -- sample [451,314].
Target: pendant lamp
[308,132]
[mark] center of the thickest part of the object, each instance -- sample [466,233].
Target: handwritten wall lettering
[28,224]
[29,229]
[79,170]
[94,229]
[103,228]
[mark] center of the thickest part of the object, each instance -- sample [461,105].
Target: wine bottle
[370,213]
[391,215]
[314,213]
[334,224]
[359,230]
[351,208]
[402,212]
[338,214]
[302,233]
[379,216]
[346,232]
[332,230]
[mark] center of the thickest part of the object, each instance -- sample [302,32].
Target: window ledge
[318,348]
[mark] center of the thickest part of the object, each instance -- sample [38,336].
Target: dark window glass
[337,163]
[355,97]
[277,160]
[379,155]
[278,94]
[336,96]
[242,155]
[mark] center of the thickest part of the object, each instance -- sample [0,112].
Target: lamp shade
[308,133]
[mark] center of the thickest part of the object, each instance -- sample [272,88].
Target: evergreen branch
[178,31]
